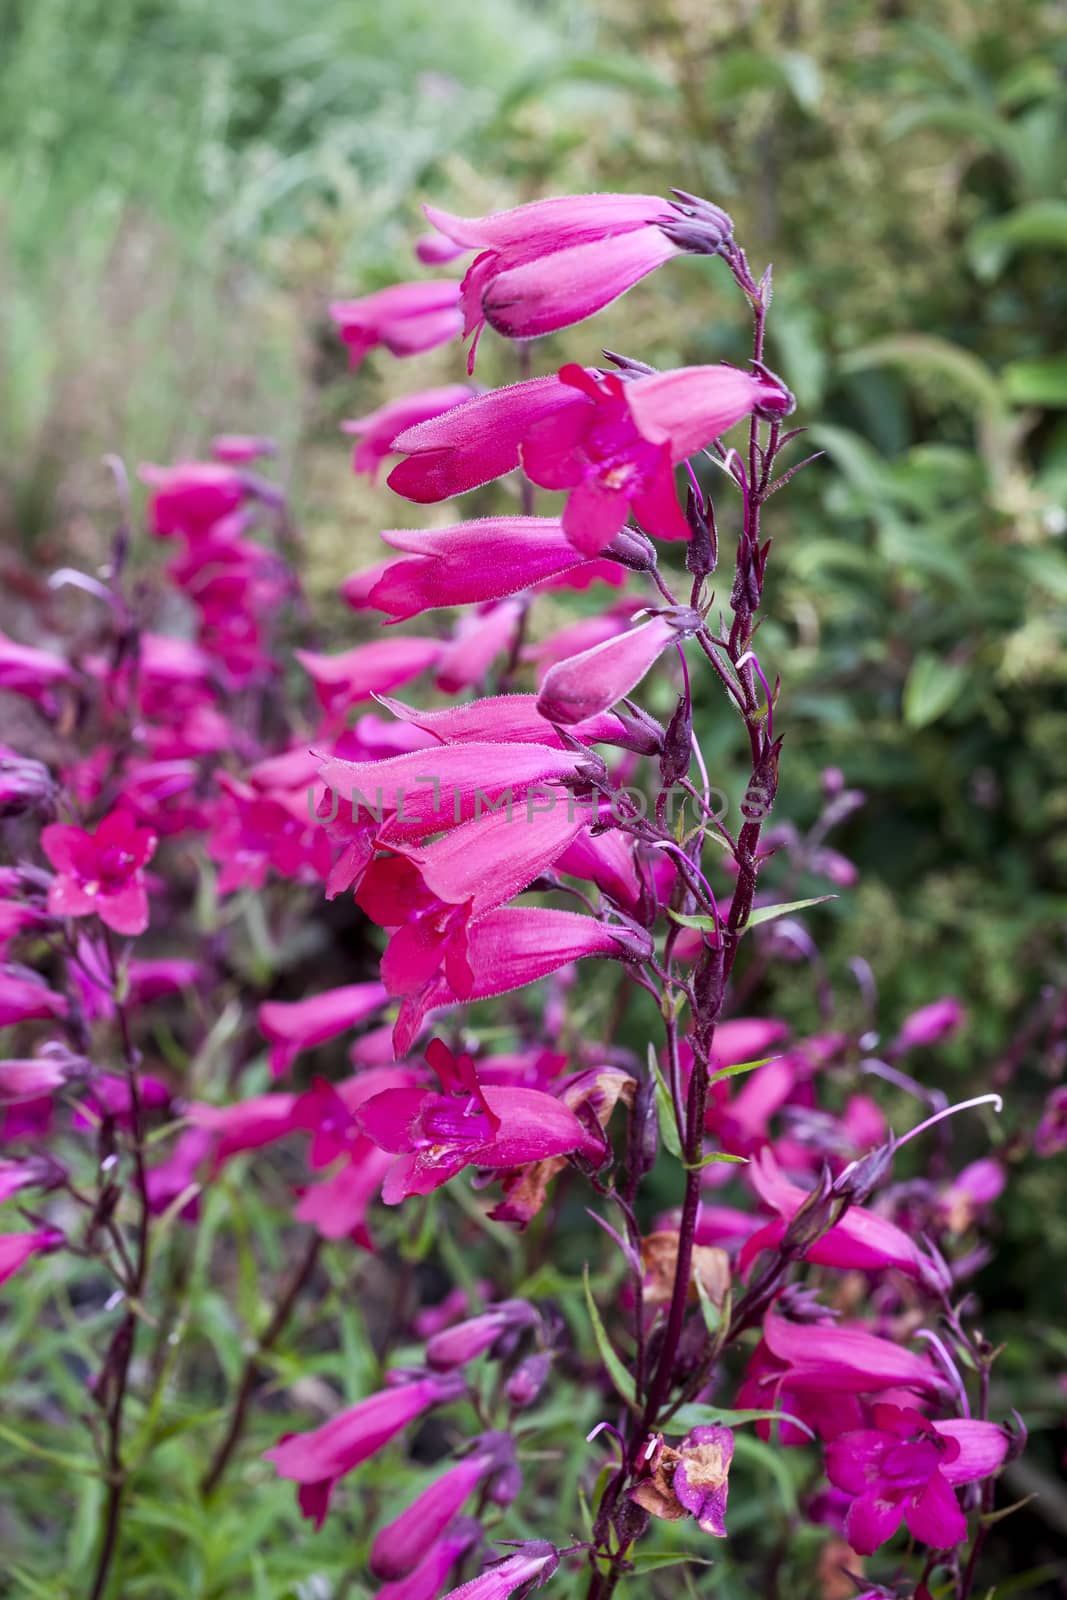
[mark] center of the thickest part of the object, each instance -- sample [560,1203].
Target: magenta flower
[528,1568]
[970,1194]
[618,451]
[355,676]
[479,866]
[477,441]
[477,640]
[861,1239]
[37,1076]
[17,1248]
[356,590]
[508,949]
[467,1340]
[583,685]
[400,1545]
[424,792]
[193,496]
[316,1461]
[503,718]
[376,431]
[930,1024]
[30,672]
[555,262]
[816,1371]
[470,563]
[246,1125]
[25,997]
[424,1581]
[436,1135]
[294,1026]
[406,318]
[904,1468]
[35,1172]
[101,873]
[239,448]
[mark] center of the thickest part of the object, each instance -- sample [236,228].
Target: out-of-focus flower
[424,1581]
[17,1248]
[356,676]
[238,448]
[25,785]
[970,1193]
[26,997]
[101,873]
[294,1026]
[400,1545]
[194,496]
[465,1341]
[33,1172]
[527,1568]
[31,672]
[930,1024]
[315,1461]
[1050,1135]
[376,431]
[406,318]
[36,1076]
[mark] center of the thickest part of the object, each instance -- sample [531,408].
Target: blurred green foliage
[185,183]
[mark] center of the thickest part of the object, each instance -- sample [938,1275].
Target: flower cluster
[245,849]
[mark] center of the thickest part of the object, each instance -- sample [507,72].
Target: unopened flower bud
[861,1178]
[631,548]
[25,785]
[642,1146]
[528,1379]
[628,366]
[701,228]
[638,731]
[677,743]
[930,1024]
[811,1219]
[702,551]
[631,1523]
[455,1346]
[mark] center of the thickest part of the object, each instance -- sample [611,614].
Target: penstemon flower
[422,883]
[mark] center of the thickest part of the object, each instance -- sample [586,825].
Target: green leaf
[771,1459]
[620,1377]
[716,1157]
[933,686]
[1039,382]
[740,1067]
[696,1416]
[656,1561]
[705,924]
[715,1318]
[770,913]
[1040,225]
[925,355]
[668,1127]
